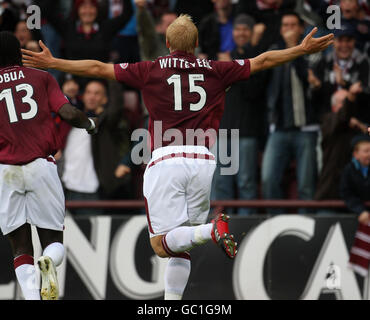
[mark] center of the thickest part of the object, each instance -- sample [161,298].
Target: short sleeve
[133,74]
[56,97]
[232,71]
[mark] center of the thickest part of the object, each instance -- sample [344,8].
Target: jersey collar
[181,53]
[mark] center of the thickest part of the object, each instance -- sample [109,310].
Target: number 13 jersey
[27,99]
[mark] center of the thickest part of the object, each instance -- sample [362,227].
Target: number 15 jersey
[27,130]
[181,91]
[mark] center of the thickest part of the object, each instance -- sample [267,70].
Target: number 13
[8,96]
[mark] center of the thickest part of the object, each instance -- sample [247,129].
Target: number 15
[175,79]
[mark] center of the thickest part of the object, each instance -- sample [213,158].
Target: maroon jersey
[181,91]
[27,130]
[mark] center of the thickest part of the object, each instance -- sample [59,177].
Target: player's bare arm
[275,58]
[85,68]
[78,119]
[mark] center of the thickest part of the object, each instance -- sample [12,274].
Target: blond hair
[182,34]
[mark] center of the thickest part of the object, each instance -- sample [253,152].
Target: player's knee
[156,243]
[161,253]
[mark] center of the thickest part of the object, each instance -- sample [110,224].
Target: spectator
[365,5]
[21,7]
[9,16]
[339,69]
[22,33]
[152,37]
[113,140]
[71,89]
[25,37]
[293,121]
[161,27]
[125,45]
[152,40]
[353,14]
[313,11]
[159,7]
[50,36]
[195,8]
[89,174]
[268,12]
[355,191]
[350,9]
[245,107]
[309,11]
[338,128]
[79,177]
[125,48]
[355,182]
[215,31]
[84,36]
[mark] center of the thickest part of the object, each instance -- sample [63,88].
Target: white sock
[176,277]
[184,238]
[55,251]
[26,276]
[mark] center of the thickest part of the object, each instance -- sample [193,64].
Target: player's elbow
[258,63]
[97,69]
[103,70]
[70,114]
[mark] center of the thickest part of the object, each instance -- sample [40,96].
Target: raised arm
[114,25]
[275,58]
[148,38]
[85,68]
[50,11]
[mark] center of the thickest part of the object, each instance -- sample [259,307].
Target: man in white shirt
[79,175]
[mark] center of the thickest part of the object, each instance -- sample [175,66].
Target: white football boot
[49,280]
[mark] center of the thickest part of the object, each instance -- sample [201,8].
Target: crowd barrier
[134,204]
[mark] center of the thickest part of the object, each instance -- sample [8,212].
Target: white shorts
[177,187]
[32,194]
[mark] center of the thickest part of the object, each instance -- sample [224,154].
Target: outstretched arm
[85,68]
[275,58]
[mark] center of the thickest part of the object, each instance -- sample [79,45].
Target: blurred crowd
[300,124]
